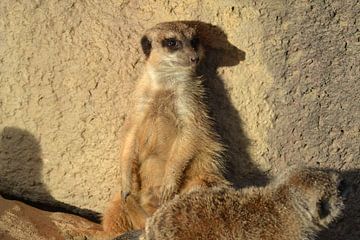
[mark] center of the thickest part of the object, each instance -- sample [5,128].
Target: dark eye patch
[171,43]
[195,43]
[323,208]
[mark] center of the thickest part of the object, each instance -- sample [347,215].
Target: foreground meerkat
[294,207]
[169,146]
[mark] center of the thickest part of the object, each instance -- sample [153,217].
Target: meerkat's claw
[125,194]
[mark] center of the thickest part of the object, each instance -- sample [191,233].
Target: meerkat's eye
[171,43]
[195,42]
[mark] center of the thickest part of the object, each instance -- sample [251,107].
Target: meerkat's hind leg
[123,216]
[115,219]
[136,212]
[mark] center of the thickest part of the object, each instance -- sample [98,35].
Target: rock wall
[284,89]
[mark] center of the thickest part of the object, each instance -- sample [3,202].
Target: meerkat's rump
[294,207]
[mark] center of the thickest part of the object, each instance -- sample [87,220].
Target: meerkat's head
[317,193]
[172,45]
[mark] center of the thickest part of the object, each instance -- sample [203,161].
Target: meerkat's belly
[155,139]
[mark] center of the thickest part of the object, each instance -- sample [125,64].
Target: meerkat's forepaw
[167,192]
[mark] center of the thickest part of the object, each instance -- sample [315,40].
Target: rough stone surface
[67,70]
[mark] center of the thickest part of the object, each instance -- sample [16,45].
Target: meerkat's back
[295,207]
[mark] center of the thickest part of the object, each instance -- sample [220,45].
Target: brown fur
[169,146]
[295,207]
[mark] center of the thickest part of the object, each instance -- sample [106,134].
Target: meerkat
[294,207]
[169,145]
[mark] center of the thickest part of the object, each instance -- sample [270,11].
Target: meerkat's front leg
[128,158]
[181,153]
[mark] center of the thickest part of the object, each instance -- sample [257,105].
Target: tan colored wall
[67,70]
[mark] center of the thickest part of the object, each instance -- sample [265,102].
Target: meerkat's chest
[165,106]
[160,122]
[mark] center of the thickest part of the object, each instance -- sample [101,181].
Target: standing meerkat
[169,145]
[294,207]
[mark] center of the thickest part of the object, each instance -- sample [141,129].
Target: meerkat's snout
[195,46]
[194,59]
[181,50]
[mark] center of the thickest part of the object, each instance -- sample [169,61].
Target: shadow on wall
[220,53]
[242,171]
[20,176]
[347,226]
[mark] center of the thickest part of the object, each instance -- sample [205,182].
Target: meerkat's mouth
[175,62]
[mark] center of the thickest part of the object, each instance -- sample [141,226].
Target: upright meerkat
[169,146]
[294,207]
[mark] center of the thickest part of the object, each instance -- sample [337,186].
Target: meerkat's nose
[194,59]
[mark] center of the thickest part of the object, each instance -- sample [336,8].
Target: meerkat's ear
[146,45]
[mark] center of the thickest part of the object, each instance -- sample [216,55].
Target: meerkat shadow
[21,166]
[348,225]
[241,170]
